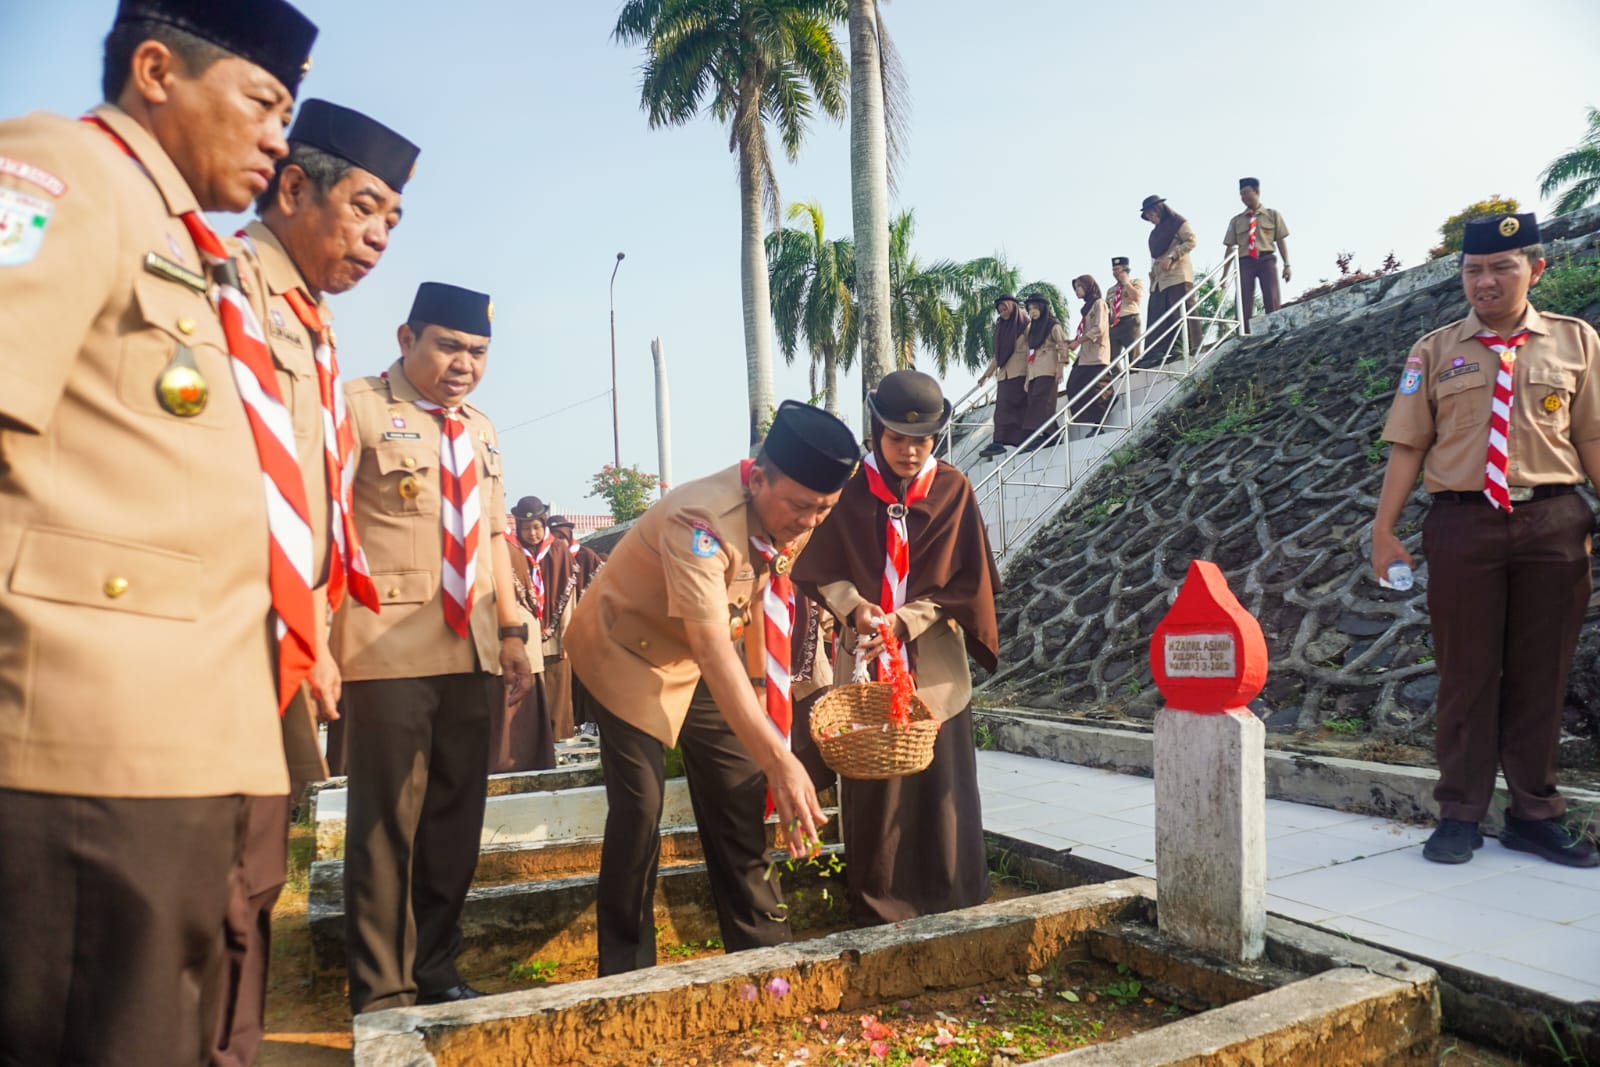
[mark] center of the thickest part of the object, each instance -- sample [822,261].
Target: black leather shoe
[454,993]
[1453,841]
[1548,839]
[991,451]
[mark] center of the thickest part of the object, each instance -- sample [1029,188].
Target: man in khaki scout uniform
[138,689]
[324,224]
[1255,232]
[1123,302]
[668,647]
[1500,412]
[1172,239]
[420,676]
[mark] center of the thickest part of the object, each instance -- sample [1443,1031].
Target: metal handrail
[1055,433]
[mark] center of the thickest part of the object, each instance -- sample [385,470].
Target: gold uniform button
[408,463]
[644,644]
[186,325]
[392,593]
[115,587]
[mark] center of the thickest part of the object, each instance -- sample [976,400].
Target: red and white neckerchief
[347,563]
[288,515]
[1253,252]
[777,621]
[1494,478]
[1083,321]
[458,514]
[897,539]
[535,561]
[1116,305]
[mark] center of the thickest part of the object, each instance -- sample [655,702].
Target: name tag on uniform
[162,267]
[1456,372]
[390,435]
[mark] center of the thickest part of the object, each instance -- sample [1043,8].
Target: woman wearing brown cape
[914,845]
[522,737]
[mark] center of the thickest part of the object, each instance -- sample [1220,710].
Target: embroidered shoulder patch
[23,219]
[16,168]
[703,543]
[1410,381]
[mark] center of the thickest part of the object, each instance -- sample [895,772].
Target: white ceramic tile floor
[1505,914]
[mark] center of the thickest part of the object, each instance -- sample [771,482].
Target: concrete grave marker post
[1210,660]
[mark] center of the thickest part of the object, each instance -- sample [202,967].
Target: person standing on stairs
[1171,279]
[1010,367]
[1124,299]
[1500,413]
[1255,232]
[1047,362]
[1093,347]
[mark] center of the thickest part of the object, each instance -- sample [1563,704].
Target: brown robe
[521,736]
[915,845]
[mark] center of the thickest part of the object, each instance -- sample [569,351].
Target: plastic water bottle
[1400,577]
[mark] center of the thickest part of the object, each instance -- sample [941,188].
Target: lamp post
[616,438]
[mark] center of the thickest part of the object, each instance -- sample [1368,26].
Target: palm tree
[746,62]
[869,189]
[1581,167]
[813,297]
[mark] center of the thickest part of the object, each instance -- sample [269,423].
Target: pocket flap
[648,644]
[404,456]
[404,587]
[1461,383]
[1554,377]
[179,311]
[78,568]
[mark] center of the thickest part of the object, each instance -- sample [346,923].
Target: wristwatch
[520,631]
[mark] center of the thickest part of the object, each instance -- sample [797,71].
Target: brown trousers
[1506,595]
[1091,408]
[1010,406]
[417,749]
[1125,337]
[1263,268]
[1160,348]
[557,681]
[247,932]
[111,914]
[729,793]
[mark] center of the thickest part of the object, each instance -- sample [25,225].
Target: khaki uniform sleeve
[1411,415]
[1132,295]
[918,616]
[1229,239]
[842,598]
[57,278]
[496,497]
[1586,397]
[1184,243]
[695,564]
[1282,227]
[1098,318]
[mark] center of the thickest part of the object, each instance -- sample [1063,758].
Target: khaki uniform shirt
[1446,392]
[1270,229]
[266,273]
[1049,358]
[1163,276]
[1095,347]
[135,657]
[1016,365]
[397,495]
[944,677]
[686,559]
[1132,297]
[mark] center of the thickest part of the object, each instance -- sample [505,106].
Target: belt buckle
[1520,494]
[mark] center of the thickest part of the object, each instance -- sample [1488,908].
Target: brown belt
[1520,494]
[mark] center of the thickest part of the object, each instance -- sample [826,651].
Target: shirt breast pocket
[1464,402]
[1550,395]
[164,316]
[407,481]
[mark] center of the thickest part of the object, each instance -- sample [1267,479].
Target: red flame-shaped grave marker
[1207,654]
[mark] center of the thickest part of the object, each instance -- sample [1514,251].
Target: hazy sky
[1036,129]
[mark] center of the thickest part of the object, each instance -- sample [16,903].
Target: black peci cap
[1119,261]
[1254,183]
[269,33]
[530,507]
[812,447]
[357,139]
[910,402]
[452,307]
[1501,233]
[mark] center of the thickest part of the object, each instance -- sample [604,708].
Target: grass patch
[1345,726]
[1237,417]
[1566,288]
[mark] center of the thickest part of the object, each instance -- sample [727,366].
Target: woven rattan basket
[885,752]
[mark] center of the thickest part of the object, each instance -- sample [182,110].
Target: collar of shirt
[277,269]
[163,172]
[402,391]
[1532,321]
